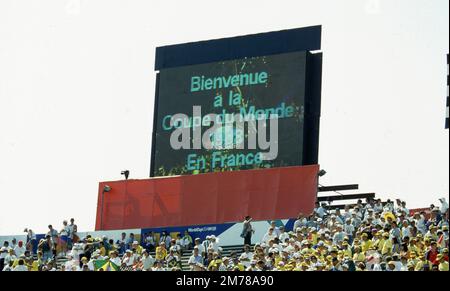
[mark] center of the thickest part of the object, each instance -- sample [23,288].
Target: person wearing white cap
[368,215]
[270,235]
[214,244]
[283,234]
[225,266]
[301,221]
[137,247]
[129,258]
[332,222]
[246,257]
[114,258]
[206,243]
[199,245]
[20,249]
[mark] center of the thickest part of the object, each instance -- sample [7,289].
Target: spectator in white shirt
[420,223]
[339,235]
[378,207]
[10,257]
[129,258]
[270,235]
[200,247]
[196,260]
[300,222]
[283,234]
[356,221]
[444,205]
[147,261]
[332,222]
[320,210]
[70,262]
[114,258]
[13,243]
[3,254]
[214,244]
[246,257]
[276,230]
[406,232]
[339,217]
[347,213]
[369,213]
[376,219]
[20,249]
[174,246]
[404,209]
[349,229]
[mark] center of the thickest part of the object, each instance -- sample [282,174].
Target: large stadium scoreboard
[237,108]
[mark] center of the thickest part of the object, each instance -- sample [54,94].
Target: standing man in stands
[53,233]
[73,236]
[31,240]
[247,231]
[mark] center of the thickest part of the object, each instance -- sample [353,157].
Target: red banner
[216,198]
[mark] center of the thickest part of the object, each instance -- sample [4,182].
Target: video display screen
[231,115]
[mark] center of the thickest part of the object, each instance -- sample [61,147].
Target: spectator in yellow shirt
[346,250]
[161,252]
[359,256]
[366,243]
[387,246]
[139,249]
[102,249]
[380,242]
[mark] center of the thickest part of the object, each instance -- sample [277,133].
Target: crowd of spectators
[370,236]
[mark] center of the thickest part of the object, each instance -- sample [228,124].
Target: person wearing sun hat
[377,240]
[421,263]
[314,236]
[346,250]
[412,246]
[432,233]
[358,255]
[442,263]
[365,243]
